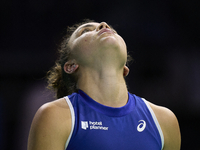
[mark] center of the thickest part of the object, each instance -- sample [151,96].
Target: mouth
[105,30]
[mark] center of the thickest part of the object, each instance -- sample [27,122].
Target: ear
[126,71]
[70,67]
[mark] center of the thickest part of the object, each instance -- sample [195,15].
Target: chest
[94,130]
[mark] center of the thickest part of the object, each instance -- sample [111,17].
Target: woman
[98,113]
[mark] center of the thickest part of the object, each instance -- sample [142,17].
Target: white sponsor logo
[141,126]
[84,125]
[93,125]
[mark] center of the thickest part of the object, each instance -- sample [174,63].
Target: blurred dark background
[163,37]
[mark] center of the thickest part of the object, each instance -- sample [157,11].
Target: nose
[102,25]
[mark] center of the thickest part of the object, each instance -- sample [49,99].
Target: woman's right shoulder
[51,122]
[56,105]
[57,110]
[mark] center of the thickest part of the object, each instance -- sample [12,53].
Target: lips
[105,30]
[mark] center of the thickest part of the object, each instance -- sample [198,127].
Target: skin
[99,62]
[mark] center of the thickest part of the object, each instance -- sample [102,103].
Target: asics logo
[141,126]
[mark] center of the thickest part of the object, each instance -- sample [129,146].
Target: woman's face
[94,43]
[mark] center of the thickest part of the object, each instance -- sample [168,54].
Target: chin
[111,41]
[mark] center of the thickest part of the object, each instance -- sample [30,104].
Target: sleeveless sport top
[98,127]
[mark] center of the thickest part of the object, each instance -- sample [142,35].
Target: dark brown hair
[62,83]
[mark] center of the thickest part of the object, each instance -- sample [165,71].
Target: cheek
[123,47]
[122,43]
[83,42]
[83,49]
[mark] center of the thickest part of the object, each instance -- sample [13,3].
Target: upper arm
[170,127]
[50,128]
[171,131]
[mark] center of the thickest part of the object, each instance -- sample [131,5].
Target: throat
[106,91]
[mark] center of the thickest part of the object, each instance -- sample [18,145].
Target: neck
[105,87]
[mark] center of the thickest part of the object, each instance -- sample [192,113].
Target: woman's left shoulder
[169,125]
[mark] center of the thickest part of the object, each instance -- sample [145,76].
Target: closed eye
[88,28]
[85,30]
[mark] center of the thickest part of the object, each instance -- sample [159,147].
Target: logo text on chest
[93,125]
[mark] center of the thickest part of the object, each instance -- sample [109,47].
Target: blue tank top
[98,127]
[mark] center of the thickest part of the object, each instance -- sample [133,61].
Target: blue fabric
[99,127]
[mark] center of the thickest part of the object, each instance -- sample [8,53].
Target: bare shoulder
[169,125]
[51,126]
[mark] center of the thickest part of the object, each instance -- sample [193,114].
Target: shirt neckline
[109,111]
